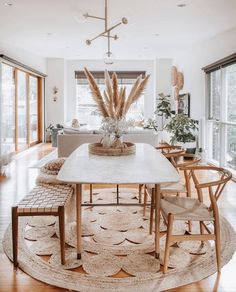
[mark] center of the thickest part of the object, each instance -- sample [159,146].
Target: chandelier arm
[104,32]
[96,17]
[111,36]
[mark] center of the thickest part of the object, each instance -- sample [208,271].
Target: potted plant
[183,131]
[53,132]
[150,124]
[163,108]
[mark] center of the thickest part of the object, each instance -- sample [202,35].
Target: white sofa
[71,139]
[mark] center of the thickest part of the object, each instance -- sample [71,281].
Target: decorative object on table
[55,92]
[99,149]
[163,108]
[75,123]
[150,124]
[113,129]
[184,104]
[183,131]
[108,56]
[128,249]
[113,105]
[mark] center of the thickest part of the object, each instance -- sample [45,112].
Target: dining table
[146,166]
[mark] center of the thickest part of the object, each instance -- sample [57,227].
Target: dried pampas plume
[113,103]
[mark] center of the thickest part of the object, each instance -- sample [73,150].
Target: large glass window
[21,110]
[19,99]
[8,110]
[33,108]
[222,116]
[86,108]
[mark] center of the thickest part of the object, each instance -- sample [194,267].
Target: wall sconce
[55,91]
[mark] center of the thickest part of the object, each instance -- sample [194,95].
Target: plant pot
[189,146]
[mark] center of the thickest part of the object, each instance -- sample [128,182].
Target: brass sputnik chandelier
[108,57]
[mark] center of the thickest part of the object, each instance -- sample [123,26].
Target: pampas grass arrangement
[114,103]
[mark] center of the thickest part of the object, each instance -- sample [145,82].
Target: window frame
[223,119]
[99,75]
[16,68]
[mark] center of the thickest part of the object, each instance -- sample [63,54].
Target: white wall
[55,110]
[197,57]
[61,73]
[32,60]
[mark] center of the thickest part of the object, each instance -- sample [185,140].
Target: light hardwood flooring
[21,178]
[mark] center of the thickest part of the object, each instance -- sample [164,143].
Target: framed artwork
[184,104]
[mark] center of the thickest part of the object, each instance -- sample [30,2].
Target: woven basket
[174,72]
[98,149]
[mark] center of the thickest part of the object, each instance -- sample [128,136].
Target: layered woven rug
[117,249]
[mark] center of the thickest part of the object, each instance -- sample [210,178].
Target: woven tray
[98,149]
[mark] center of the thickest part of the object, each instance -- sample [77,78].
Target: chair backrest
[214,187]
[184,159]
[167,148]
[178,161]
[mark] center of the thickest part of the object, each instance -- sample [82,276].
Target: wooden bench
[43,200]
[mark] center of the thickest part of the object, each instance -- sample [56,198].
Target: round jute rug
[117,250]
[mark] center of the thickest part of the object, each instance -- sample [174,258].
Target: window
[20,102]
[8,110]
[86,108]
[222,114]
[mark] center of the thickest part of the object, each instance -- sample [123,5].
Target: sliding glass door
[222,117]
[33,109]
[8,110]
[22,109]
[20,120]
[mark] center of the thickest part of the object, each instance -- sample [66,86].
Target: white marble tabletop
[147,165]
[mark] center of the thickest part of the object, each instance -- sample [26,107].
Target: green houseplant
[183,130]
[163,108]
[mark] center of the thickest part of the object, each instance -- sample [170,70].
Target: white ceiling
[27,23]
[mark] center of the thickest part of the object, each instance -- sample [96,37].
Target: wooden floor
[21,178]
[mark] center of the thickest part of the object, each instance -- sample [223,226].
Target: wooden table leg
[117,194]
[157,220]
[90,193]
[78,219]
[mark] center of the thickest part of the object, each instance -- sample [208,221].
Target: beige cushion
[53,166]
[44,178]
[185,209]
[169,187]
[45,198]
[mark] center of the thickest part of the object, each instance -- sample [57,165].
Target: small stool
[43,200]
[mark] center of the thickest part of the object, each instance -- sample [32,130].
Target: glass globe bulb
[109,58]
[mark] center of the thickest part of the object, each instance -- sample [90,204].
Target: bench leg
[61,215]
[14,221]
